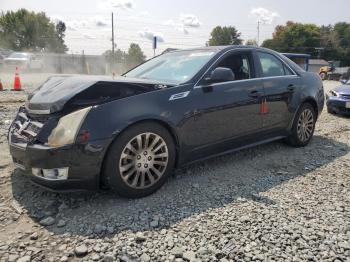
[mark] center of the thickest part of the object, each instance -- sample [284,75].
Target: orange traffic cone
[1,87]
[263,107]
[17,84]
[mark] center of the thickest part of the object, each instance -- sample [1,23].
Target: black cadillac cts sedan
[129,133]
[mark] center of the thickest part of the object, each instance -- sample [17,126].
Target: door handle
[255,94]
[291,88]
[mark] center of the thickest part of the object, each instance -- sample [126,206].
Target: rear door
[280,84]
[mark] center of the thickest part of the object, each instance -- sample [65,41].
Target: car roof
[222,48]
[296,55]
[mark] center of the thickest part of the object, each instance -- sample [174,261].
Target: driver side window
[239,64]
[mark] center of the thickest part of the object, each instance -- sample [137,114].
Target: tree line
[24,30]
[29,31]
[331,42]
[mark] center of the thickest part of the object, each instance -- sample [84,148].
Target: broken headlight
[67,128]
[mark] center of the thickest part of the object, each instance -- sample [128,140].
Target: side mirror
[221,74]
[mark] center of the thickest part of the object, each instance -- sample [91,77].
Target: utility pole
[112,35]
[258,33]
[112,62]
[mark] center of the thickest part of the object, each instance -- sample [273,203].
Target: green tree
[227,35]
[334,41]
[29,31]
[135,55]
[295,37]
[119,56]
[342,32]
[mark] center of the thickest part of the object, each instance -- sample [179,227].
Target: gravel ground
[269,203]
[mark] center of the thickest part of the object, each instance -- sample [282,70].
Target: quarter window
[271,66]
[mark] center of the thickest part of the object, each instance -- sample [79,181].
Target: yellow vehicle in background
[333,71]
[325,70]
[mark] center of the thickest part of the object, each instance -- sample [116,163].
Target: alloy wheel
[143,160]
[305,125]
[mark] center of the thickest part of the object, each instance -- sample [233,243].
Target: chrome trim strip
[232,50]
[19,166]
[246,80]
[22,146]
[39,111]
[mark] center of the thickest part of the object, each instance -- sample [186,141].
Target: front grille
[25,128]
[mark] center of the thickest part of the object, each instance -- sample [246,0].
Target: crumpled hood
[343,89]
[53,94]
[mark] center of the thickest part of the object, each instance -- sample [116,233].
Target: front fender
[106,121]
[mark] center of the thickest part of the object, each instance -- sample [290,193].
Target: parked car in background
[25,61]
[338,99]
[128,134]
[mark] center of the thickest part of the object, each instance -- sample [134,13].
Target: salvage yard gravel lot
[269,203]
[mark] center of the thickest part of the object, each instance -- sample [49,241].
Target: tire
[323,76]
[302,130]
[149,164]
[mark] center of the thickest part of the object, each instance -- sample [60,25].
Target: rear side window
[271,66]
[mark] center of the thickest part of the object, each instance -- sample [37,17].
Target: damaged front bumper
[67,168]
[44,166]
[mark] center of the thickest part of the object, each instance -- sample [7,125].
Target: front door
[225,111]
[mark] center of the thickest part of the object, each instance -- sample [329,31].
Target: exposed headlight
[67,128]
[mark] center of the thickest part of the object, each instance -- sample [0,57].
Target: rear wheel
[303,126]
[140,160]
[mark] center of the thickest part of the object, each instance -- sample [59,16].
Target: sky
[177,24]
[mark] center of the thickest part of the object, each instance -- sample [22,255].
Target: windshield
[174,67]
[18,55]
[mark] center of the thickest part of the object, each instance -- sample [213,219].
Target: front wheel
[303,126]
[140,160]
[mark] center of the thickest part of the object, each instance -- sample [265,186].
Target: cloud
[170,22]
[100,21]
[74,25]
[190,20]
[123,4]
[89,36]
[148,34]
[184,22]
[263,15]
[106,5]
[56,18]
[144,14]
[71,28]
[183,30]
[90,23]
